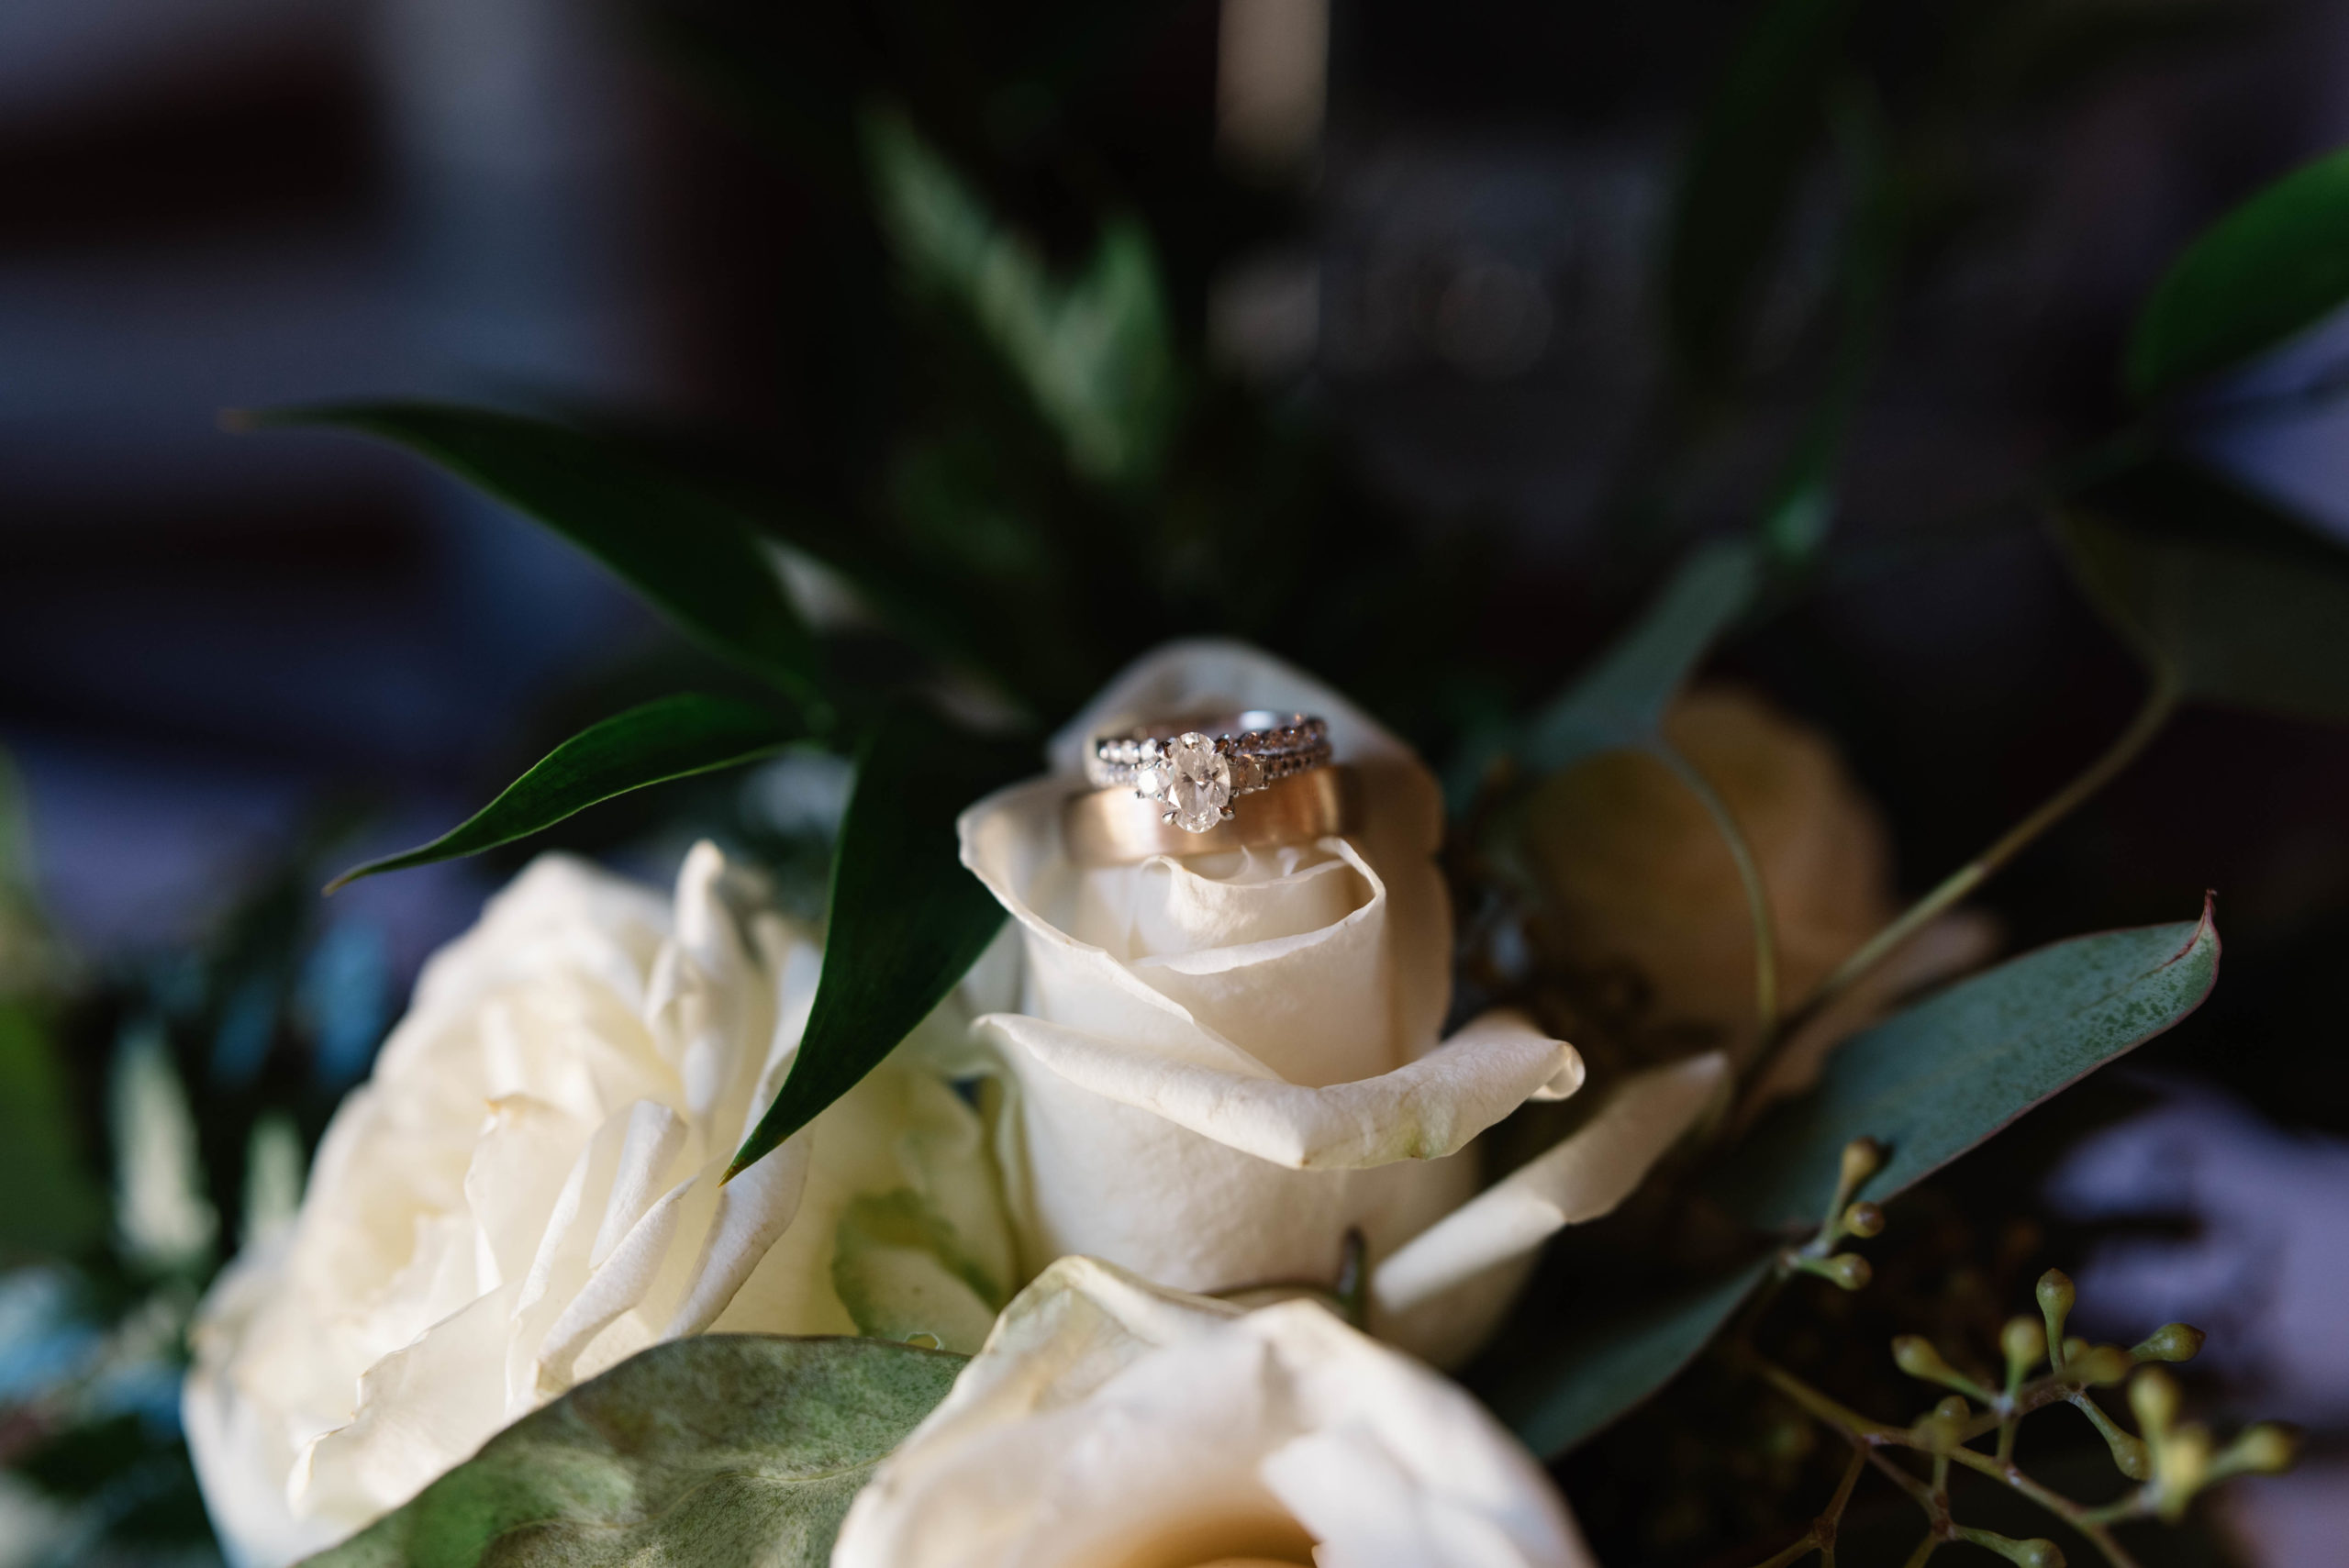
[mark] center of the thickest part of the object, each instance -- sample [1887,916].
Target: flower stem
[2161,701]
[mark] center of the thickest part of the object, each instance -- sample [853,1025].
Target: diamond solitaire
[1195,767]
[1198,790]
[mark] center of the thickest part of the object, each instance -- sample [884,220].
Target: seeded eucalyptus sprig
[2171,1460]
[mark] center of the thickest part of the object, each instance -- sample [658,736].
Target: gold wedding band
[1112,827]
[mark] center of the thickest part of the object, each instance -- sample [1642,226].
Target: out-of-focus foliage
[2223,592]
[2276,264]
[1022,469]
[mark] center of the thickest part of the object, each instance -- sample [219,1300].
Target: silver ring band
[1196,766]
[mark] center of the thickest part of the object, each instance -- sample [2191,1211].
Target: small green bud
[1848,1270]
[1915,1354]
[2153,1395]
[2129,1454]
[2267,1449]
[2181,1468]
[2074,1348]
[2100,1365]
[1937,1432]
[2056,1294]
[1952,1410]
[2024,1341]
[1864,1220]
[1862,1158]
[2170,1343]
[2024,1554]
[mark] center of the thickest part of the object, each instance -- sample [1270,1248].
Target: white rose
[1109,1422]
[1220,1066]
[528,1191]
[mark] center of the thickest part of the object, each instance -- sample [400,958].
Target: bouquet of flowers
[1193,1125]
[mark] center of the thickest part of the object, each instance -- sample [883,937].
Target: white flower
[1112,1422]
[527,1192]
[1221,1065]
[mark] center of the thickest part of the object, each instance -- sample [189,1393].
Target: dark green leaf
[1762,127]
[1620,702]
[1095,352]
[1938,1079]
[52,1207]
[1584,1378]
[905,920]
[692,555]
[719,1452]
[2271,267]
[670,739]
[2235,598]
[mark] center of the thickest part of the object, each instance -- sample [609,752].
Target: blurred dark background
[1432,234]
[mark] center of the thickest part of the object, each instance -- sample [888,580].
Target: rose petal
[1425,1110]
[1584,1177]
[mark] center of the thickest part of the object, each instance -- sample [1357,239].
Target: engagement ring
[1109,827]
[1195,767]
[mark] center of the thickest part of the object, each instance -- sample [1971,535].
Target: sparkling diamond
[1199,782]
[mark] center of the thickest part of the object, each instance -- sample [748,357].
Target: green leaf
[1760,127]
[719,1452]
[1620,702]
[905,920]
[2238,600]
[900,1270]
[53,1206]
[1583,1379]
[2270,268]
[1095,352]
[672,738]
[1936,1080]
[694,555]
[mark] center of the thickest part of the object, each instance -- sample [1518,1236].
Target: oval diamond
[1199,782]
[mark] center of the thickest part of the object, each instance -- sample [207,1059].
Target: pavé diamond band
[1194,766]
[1109,827]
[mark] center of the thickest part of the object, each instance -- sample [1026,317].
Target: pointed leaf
[2270,268]
[1621,701]
[1582,1379]
[708,1452]
[2238,599]
[1936,1080]
[672,738]
[1765,121]
[1095,352]
[905,920]
[692,555]
[53,1207]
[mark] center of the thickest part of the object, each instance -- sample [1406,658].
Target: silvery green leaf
[1935,1080]
[719,1452]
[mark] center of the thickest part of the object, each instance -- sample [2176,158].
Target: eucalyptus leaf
[721,1451]
[1096,351]
[671,737]
[2271,267]
[2239,601]
[905,921]
[1583,1379]
[1620,702]
[693,554]
[1936,1080]
[1763,122]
